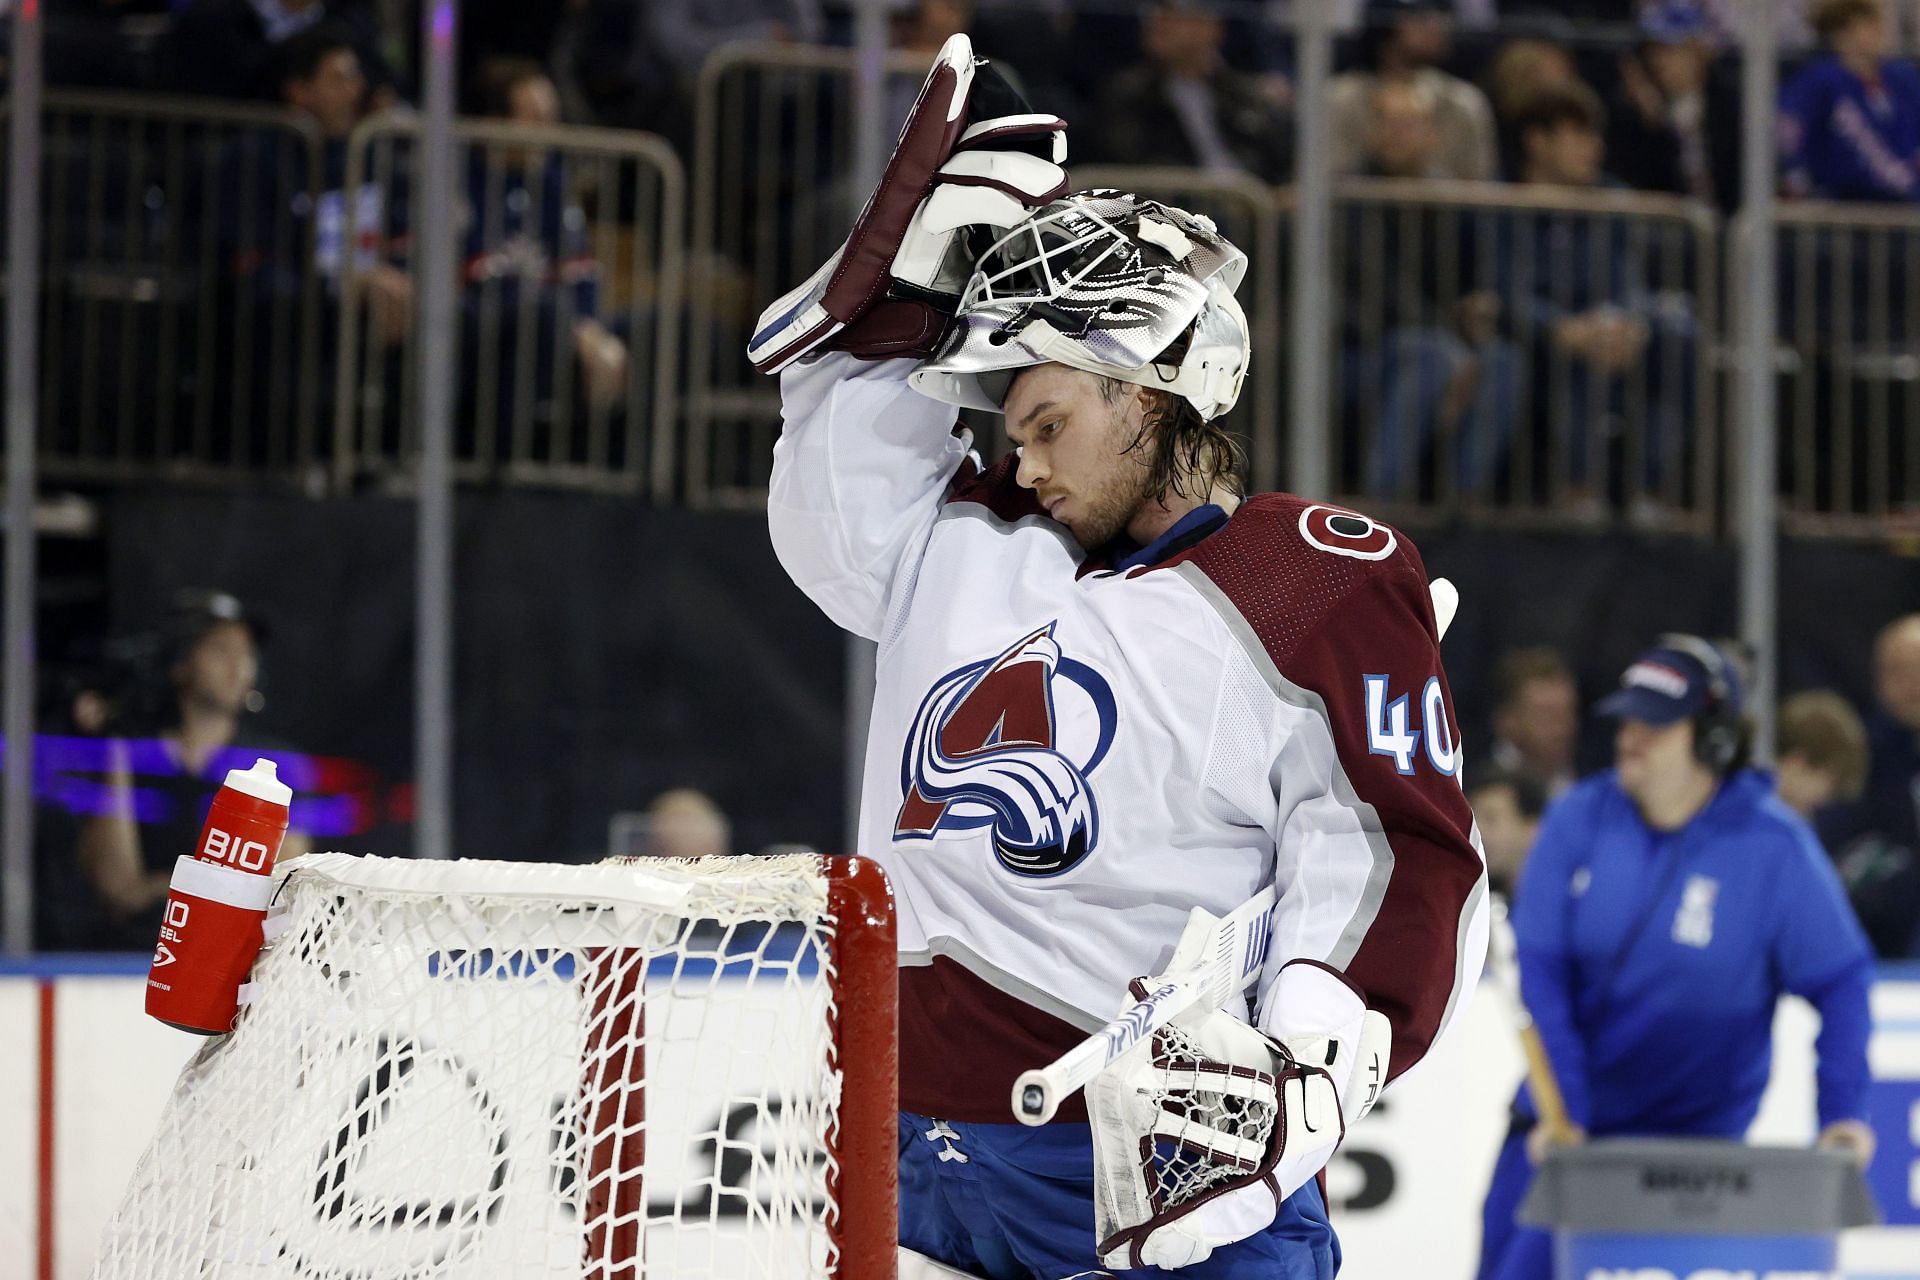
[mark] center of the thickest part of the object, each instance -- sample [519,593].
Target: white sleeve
[859,473]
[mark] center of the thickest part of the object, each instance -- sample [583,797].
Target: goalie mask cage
[644,1068]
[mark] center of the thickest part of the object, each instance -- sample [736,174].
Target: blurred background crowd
[1524,352]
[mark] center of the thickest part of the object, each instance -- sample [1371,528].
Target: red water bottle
[215,903]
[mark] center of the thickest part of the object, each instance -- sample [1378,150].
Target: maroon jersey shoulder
[1287,563]
[995,488]
[1339,602]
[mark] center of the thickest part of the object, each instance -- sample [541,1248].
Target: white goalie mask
[1104,281]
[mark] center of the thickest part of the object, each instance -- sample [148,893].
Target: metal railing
[211,309]
[1525,352]
[773,148]
[571,286]
[179,298]
[1847,366]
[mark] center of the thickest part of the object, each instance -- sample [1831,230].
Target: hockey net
[645,1068]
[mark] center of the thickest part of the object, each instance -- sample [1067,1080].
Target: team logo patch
[1347,533]
[1009,742]
[1693,922]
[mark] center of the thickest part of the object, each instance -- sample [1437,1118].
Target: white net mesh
[1214,1122]
[491,1069]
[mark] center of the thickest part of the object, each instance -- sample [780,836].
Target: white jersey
[1063,759]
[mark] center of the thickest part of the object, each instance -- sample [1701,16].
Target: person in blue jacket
[1667,906]
[1850,120]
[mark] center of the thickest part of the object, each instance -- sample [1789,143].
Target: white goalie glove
[1203,1129]
[971,155]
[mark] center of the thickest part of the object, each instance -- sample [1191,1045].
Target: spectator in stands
[281,216]
[530,268]
[275,229]
[1423,360]
[1821,753]
[325,79]
[236,48]
[685,823]
[1876,841]
[1519,69]
[1606,353]
[1507,806]
[1536,717]
[1850,120]
[158,789]
[1402,134]
[1415,38]
[1522,67]
[1185,106]
[1675,125]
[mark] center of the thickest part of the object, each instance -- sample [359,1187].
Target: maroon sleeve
[1408,963]
[1342,609]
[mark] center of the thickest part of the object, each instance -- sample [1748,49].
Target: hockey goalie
[1112,689]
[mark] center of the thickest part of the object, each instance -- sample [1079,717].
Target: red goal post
[649,1067]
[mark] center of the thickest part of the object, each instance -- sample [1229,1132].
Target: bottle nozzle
[262,781]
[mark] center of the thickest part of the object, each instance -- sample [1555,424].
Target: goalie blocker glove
[969,155]
[1201,1131]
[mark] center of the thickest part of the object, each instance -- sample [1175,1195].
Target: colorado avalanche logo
[1010,743]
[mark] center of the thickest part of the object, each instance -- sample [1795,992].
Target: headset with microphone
[1717,727]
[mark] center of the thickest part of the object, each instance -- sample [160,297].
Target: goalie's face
[1076,436]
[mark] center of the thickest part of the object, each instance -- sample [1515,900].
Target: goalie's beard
[1106,516]
[1184,457]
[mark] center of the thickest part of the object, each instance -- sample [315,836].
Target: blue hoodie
[1848,139]
[1652,961]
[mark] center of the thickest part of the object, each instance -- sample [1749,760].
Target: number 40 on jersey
[1391,731]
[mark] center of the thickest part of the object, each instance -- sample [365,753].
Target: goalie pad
[1201,1131]
[892,287]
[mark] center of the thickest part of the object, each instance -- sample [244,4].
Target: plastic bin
[1696,1209]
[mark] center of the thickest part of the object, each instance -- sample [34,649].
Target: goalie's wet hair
[1186,454]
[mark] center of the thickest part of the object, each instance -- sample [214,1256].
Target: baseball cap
[1673,21]
[197,610]
[1666,684]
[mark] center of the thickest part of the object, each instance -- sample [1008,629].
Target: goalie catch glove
[970,155]
[1202,1130]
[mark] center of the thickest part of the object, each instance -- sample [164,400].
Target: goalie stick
[1228,957]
